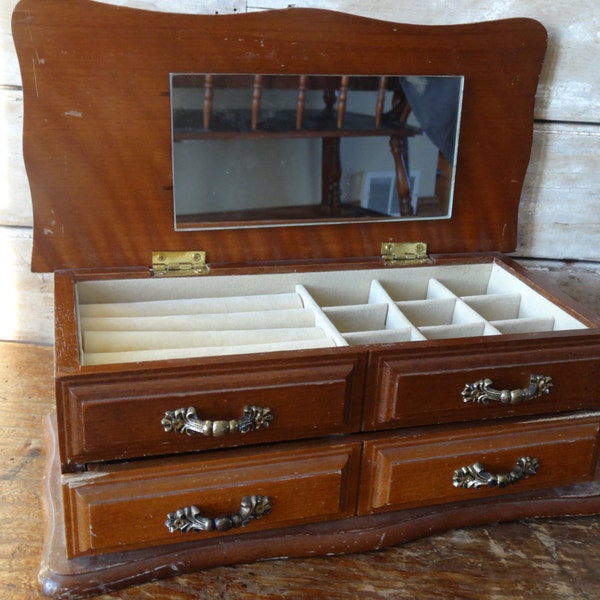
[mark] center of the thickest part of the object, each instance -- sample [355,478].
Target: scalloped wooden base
[81,577]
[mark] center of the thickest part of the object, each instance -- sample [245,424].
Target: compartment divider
[496,307]
[396,319]
[155,320]
[465,321]
[436,289]
[524,325]
[423,313]
[381,336]
[321,319]
[453,330]
[357,317]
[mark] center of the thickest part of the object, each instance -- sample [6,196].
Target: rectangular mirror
[249,150]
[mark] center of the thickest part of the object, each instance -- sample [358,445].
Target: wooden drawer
[127,507]
[424,387]
[410,470]
[119,415]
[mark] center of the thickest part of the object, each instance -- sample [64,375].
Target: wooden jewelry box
[245,370]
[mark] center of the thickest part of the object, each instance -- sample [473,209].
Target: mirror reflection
[255,149]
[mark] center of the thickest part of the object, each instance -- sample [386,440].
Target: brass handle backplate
[190,518]
[481,392]
[186,420]
[475,476]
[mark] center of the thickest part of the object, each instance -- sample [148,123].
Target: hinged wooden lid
[97,139]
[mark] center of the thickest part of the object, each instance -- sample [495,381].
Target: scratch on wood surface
[74,480]
[548,542]
[496,548]
[35,81]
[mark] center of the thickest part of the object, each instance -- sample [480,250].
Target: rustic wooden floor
[549,559]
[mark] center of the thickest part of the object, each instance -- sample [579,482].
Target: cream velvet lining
[153,319]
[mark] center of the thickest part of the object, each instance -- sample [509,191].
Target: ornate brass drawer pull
[185,420]
[475,476]
[481,391]
[190,518]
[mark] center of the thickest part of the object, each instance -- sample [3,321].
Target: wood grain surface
[123,164]
[546,558]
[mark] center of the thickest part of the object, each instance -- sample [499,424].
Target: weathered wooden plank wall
[560,209]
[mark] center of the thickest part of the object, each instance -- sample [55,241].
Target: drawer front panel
[404,391]
[469,464]
[129,508]
[148,415]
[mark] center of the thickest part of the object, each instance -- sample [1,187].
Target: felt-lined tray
[152,319]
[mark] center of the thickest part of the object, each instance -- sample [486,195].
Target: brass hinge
[179,264]
[404,253]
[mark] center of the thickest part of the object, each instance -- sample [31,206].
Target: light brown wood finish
[134,190]
[126,508]
[404,470]
[396,385]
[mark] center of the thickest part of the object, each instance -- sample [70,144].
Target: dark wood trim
[99,155]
